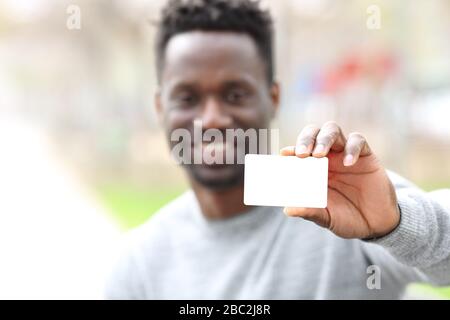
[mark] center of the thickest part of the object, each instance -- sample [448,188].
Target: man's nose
[214,115]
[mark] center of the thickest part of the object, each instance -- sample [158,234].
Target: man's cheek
[176,120]
[248,117]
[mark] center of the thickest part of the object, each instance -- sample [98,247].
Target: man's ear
[275,97]
[158,105]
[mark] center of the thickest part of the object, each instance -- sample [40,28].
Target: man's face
[220,79]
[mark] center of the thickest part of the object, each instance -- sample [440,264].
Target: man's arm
[422,238]
[364,203]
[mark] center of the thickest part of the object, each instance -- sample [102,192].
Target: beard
[227,168]
[217,177]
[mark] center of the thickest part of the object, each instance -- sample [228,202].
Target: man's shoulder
[181,207]
[176,213]
[157,233]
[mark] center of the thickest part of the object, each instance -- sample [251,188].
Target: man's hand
[361,198]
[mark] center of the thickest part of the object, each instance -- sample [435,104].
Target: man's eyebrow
[239,82]
[182,85]
[186,84]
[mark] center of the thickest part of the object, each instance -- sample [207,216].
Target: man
[378,233]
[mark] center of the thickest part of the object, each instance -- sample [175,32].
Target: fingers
[329,138]
[318,143]
[316,215]
[306,140]
[356,146]
[288,151]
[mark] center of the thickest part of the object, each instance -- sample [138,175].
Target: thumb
[319,216]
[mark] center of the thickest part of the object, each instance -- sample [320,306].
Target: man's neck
[220,204]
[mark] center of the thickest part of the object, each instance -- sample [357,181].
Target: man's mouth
[217,148]
[216,154]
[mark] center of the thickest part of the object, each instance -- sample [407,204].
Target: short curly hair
[243,16]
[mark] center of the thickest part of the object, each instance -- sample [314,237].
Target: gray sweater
[262,254]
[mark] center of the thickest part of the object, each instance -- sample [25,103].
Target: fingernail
[320,148]
[348,160]
[301,149]
[285,210]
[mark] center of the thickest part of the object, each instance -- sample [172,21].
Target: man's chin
[217,177]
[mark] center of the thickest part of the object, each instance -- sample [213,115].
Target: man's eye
[235,96]
[186,99]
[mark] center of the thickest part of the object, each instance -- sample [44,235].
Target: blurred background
[82,158]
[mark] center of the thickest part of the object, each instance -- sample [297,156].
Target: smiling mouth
[214,154]
[219,147]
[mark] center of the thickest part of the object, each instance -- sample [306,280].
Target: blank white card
[285,181]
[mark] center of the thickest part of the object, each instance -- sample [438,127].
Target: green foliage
[131,205]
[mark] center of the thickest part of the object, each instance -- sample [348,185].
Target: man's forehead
[199,51]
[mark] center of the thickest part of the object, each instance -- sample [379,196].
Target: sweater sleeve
[421,241]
